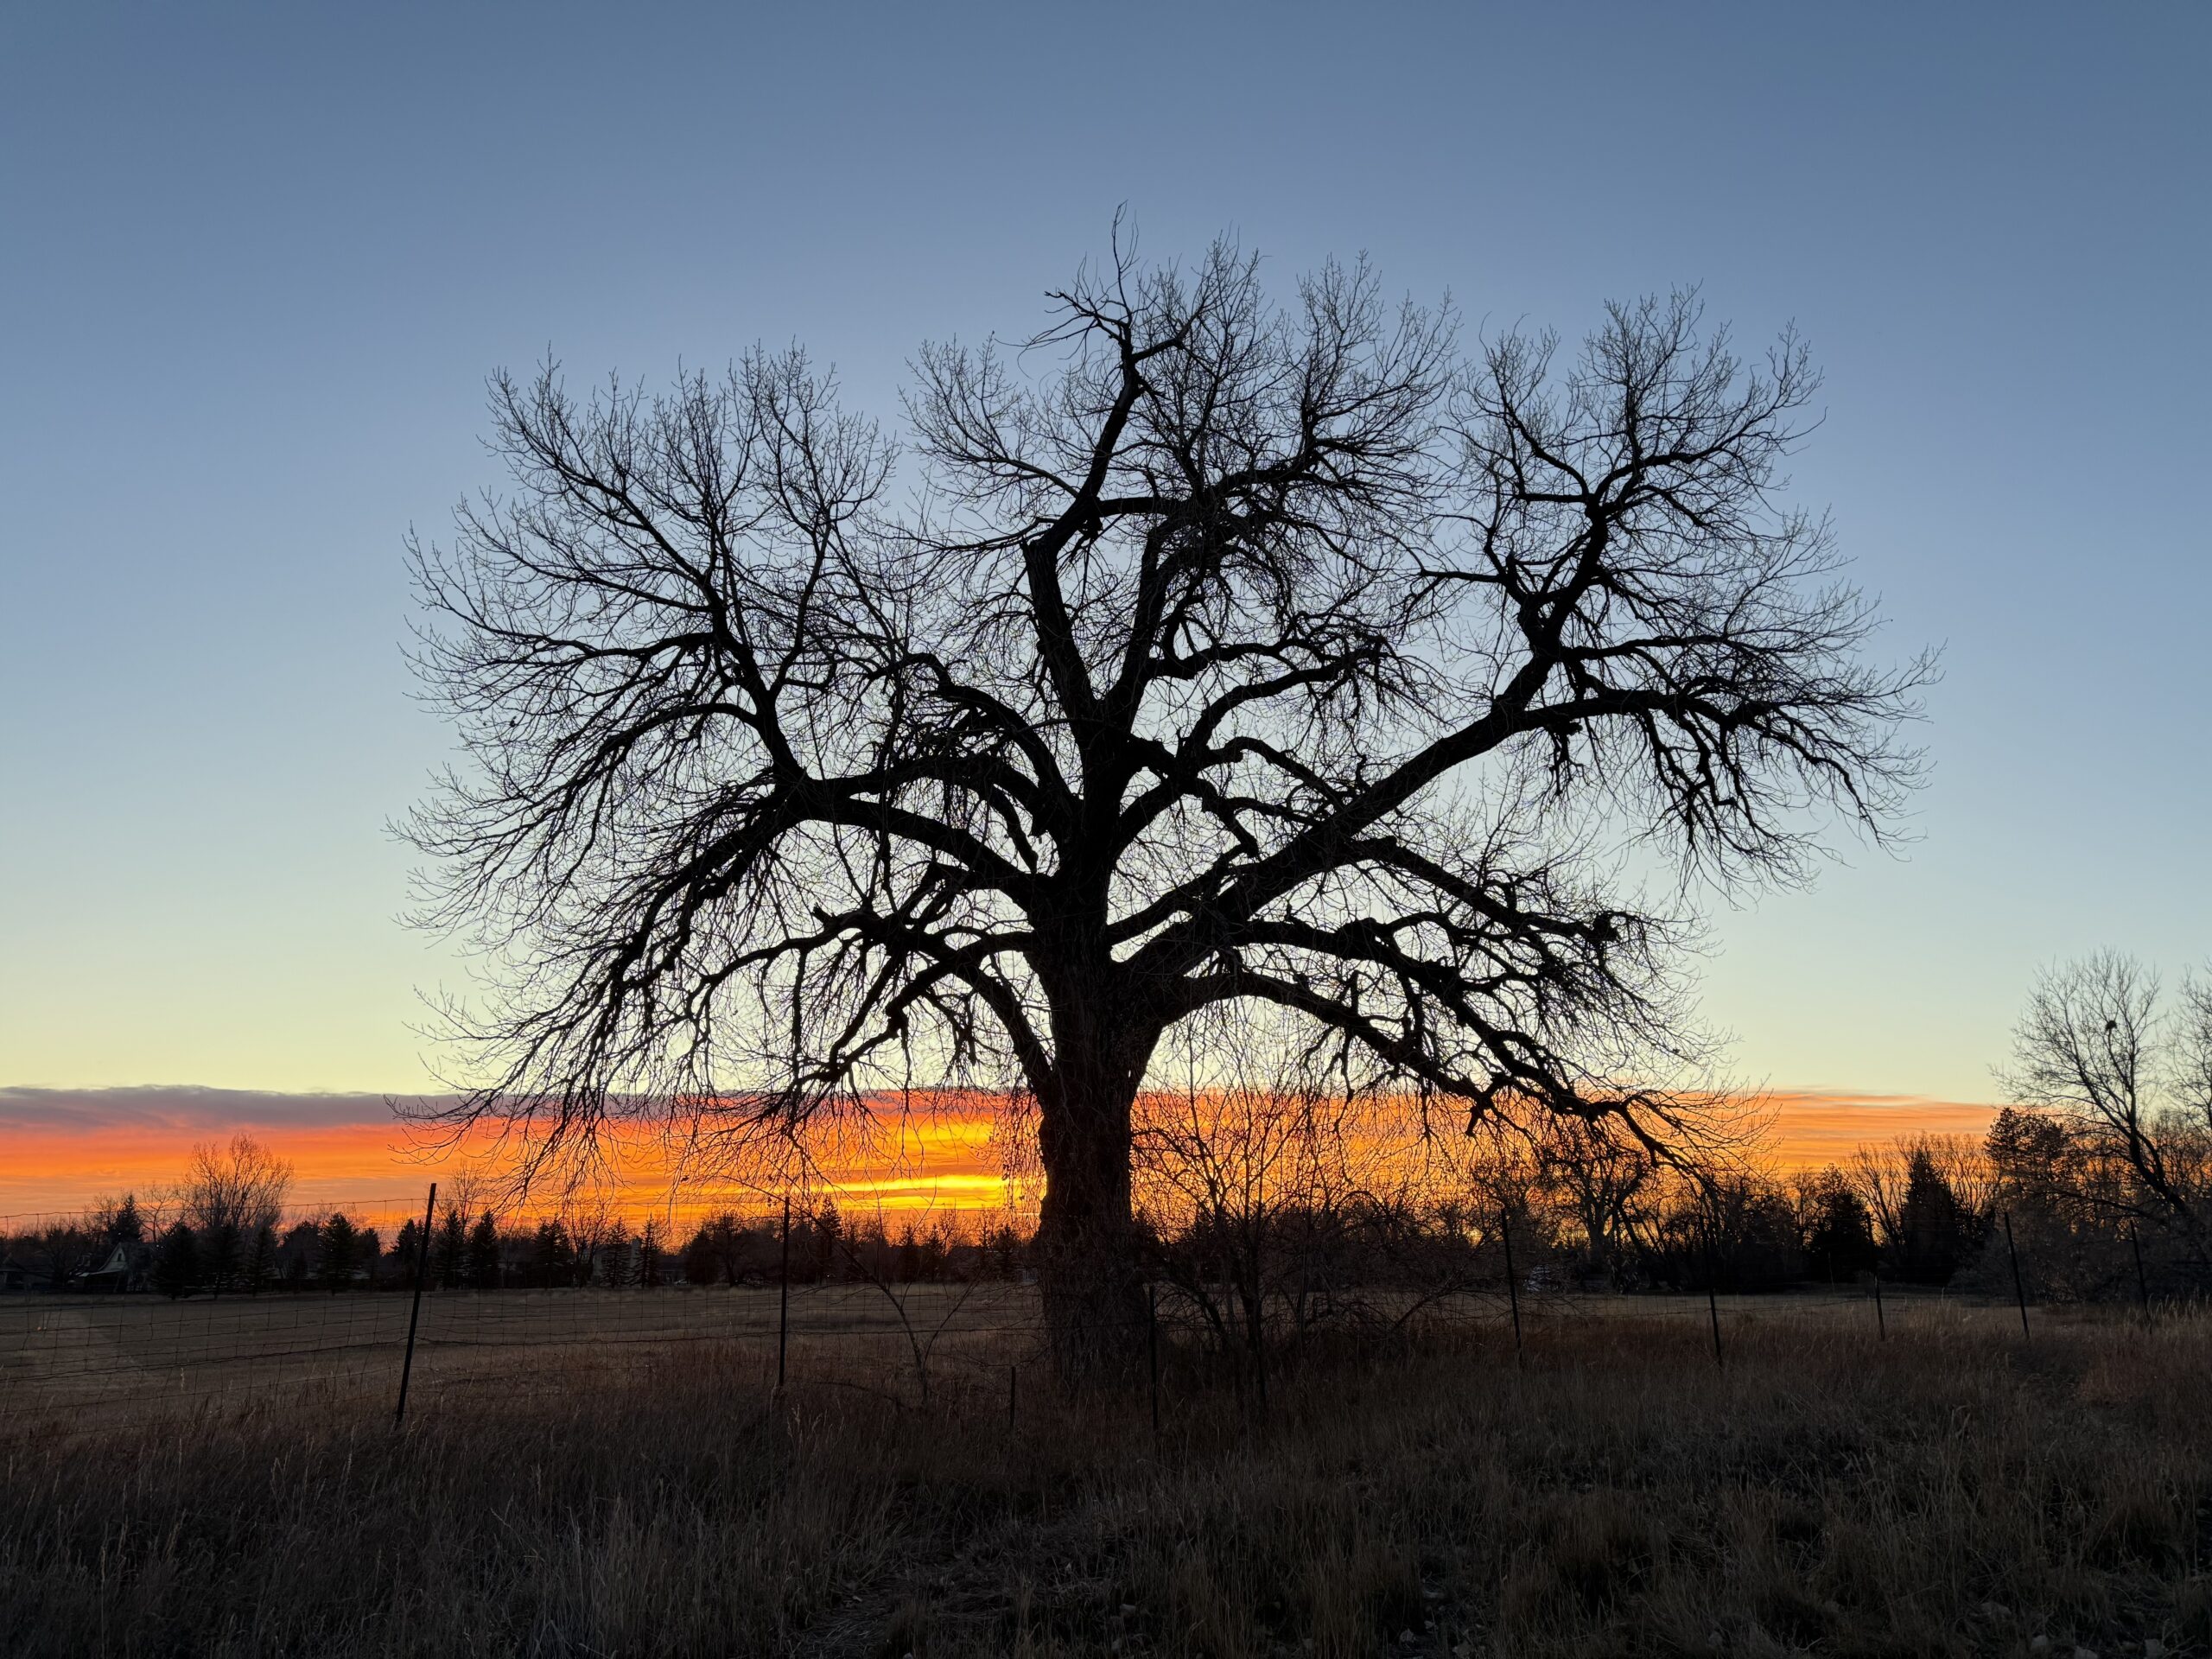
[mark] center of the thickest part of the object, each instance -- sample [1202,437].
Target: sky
[255,263]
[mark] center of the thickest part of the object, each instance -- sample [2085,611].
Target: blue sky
[256,263]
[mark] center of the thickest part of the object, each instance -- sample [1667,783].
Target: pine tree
[619,1254]
[176,1262]
[124,1224]
[261,1259]
[221,1256]
[1839,1230]
[650,1273]
[450,1249]
[701,1265]
[1934,1226]
[302,1244]
[484,1253]
[551,1261]
[335,1254]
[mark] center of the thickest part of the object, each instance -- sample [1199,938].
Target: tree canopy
[1206,651]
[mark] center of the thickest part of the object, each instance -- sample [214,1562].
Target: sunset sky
[67,1146]
[259,260]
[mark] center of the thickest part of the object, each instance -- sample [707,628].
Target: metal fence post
[2019,1290]
[1151,1352]
[784,1298]
[1712,1301]
[1512,1280]
[415,1313]
[2142,1284]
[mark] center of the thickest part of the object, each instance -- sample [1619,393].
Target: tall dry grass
[1946,1491]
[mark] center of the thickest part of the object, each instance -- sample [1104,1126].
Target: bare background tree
[1217,651]
[2130,1085]
[230,1197]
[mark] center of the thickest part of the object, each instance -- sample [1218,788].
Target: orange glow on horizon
[947,1163]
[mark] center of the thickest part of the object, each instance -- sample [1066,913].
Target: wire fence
[966,1336]
[97,1359]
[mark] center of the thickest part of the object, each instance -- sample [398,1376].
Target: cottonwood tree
[1205,650]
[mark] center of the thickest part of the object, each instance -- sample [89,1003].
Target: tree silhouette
[1222,653]
[2134,1081]
[120,1222]
[222,1255]
[261,1259]
[1838,1231]
[336,1247]
[1935,1231]
[241,1186]
[552,1262]
[484,1253]
[450,1249]
[176,1261]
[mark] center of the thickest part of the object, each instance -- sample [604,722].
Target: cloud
[177,1108]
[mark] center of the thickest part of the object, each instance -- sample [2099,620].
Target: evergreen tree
[176,1262]
[484,1253]
[222,1255]
[450,1249]
[650,1272]
[1934,1228]
[334,1257]
[302,1244]
[551,1260]
[620,1255]
[1005,1252]
[261,1259]
[123,1223]
[368,1252]
[1839,1229]
[701,1265]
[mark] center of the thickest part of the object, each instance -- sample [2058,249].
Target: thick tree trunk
[1090,1264]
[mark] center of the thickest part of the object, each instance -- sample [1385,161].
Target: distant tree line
[1302,1251]
[1270,1206]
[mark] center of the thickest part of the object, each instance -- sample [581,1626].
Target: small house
[118,1273]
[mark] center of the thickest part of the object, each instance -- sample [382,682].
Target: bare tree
[2095,1047]
[1600,1180]
[1222,652]
[233,1189]
[1238,1171]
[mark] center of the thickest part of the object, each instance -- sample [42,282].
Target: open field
[1950,1490]
[102,1354]
[99,1353]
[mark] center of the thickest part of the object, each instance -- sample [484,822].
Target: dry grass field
[101,1358]
[1949,1490]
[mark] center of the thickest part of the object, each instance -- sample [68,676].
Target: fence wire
[99,1358]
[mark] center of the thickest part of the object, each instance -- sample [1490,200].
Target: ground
[1947,1489]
